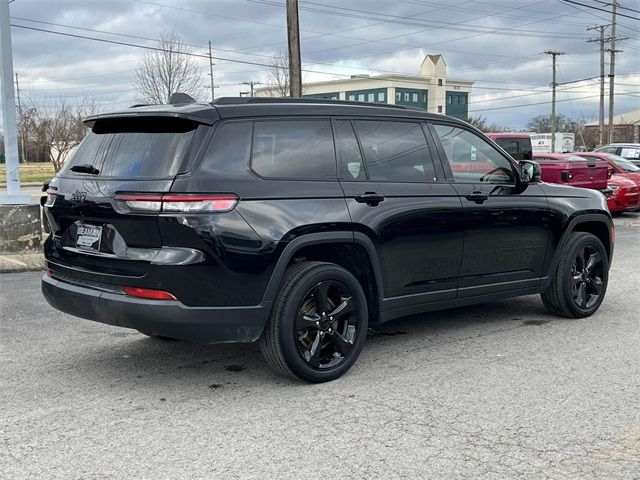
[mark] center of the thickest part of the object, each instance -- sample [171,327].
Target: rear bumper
[204,325]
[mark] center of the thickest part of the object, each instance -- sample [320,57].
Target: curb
[31,262]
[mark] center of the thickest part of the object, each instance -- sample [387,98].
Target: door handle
[477,197]
[370,198]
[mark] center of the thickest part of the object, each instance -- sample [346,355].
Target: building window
[361,97]
[439,82]
[352,98]
[371,97]
[463,99]
[455,99]
[407,97]
[415,98]
[398,97]
[439,108]
[449,99]
[381,96]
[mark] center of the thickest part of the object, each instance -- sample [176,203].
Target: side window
[471,158]
[229,151]
[349,157]
[294,149]
[395,151]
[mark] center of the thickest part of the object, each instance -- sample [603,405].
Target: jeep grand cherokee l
[300,223]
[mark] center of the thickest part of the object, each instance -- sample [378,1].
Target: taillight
[177,202]
[148,293]
[566,175]
[52,194]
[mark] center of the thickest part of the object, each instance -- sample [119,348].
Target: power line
[598,8]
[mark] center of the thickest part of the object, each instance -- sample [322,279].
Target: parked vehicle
[541,143]
[518,145]
[630,151]
[618,166]
[300,223]
[625,195]
[571,169]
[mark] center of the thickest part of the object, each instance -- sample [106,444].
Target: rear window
[136,147]
[518,148]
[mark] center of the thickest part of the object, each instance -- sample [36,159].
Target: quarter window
[395,151]
[349,157]
[472,159]
[294,149]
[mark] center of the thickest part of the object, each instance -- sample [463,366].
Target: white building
[431,89]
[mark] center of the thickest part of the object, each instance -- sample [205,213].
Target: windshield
[623,163]
[135,147]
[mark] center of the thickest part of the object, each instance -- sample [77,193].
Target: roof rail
[255,100]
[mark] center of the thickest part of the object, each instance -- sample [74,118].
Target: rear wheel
[580,280]
[318,324]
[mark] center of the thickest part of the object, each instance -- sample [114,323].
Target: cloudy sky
[497,44]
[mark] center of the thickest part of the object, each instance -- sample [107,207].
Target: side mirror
[530,171]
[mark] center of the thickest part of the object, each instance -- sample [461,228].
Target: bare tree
[58,129]
[168,70]
[278,75]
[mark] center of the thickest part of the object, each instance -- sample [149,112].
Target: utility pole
[612,67]
[20,119]
[9,113]
[213,95]
[602,40]
[293,34]
[554,84]
[251,84]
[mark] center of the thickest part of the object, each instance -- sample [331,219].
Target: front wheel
[318,324]
[580,281]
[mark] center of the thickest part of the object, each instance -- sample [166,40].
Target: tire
[577,291]
[305,344]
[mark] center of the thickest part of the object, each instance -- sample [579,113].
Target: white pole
[9,112]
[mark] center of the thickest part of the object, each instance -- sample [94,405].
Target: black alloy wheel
[326,324]
[579,283]
[586,277]
[318,323]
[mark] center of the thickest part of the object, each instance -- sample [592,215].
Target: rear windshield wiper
[85,168]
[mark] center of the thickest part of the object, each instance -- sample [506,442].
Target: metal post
[213,96]
[554,84]
[601,40]
[612,67]
[21,132]
[9,112]
[293,33]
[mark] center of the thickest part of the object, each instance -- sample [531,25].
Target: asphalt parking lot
[492,391]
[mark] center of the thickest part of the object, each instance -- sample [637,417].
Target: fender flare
[316,239]
[569,229]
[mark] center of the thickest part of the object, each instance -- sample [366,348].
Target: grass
[33,172]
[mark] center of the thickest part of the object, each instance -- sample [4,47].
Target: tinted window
[294,149]
[395,151]
[229,151]
[349,157]
[472,159]
[518,148]
[141,147]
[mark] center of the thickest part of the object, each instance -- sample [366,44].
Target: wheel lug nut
[317,323]
[330,330]
[331,318]
[324,314]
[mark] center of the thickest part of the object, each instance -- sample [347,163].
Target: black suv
[299,224]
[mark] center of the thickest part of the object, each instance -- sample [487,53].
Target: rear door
[398,197]
[91,228]
[506,225]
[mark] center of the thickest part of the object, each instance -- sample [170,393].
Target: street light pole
[13,195]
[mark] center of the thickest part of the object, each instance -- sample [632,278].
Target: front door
[397,196]
[506,223]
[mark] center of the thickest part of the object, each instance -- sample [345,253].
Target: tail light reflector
[148,293]
[174,202]
[52,193]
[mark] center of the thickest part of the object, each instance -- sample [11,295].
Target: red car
[571,169]
[619,167]
[625,195]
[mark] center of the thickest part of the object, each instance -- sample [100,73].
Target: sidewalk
[21,263]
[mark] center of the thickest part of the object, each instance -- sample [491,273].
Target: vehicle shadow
[129,360]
